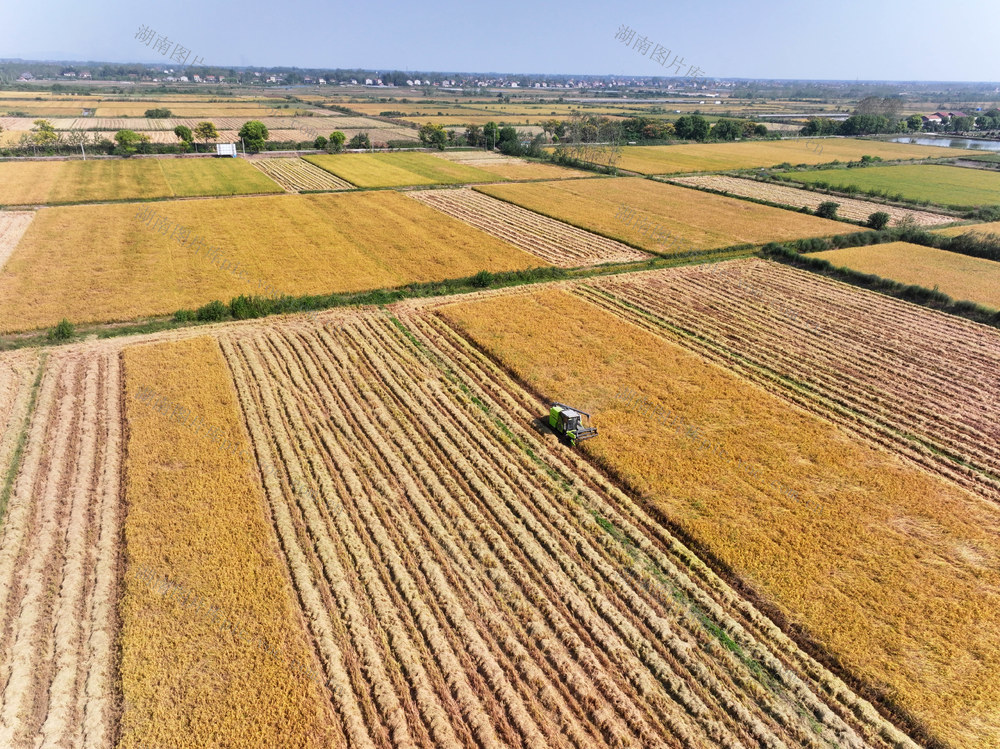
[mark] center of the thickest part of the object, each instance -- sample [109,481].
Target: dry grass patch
[214,657]
[100,263]
[13,224]
[398,169]
[992,227]
[696,219]
[959,276]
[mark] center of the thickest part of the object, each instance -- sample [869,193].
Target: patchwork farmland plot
[59,554]
[54,182]
[776,494]
[944,185]
[296,174]
[959,276]
[120,269]
[715,157]
[398,169]
[695,219]
[467,583]
[856,210]
[992,227]
[196,523]
[508,167]
[553,241]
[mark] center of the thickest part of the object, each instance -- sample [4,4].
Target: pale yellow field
[101,263]
[712,157]
[954,231]
[212,642]
[693,219]
[889,568]
[959,276]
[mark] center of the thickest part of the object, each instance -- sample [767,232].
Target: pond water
[973,144]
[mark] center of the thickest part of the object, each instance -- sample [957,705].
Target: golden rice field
[53,182]
[713,157]
[990,228]
[13,224]
[882,565]
[121,269]
[211,630]
[691,219]
[398,169]
[959,276]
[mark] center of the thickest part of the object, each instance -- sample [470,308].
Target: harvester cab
[568,422]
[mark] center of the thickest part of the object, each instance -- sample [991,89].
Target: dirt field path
[59,562]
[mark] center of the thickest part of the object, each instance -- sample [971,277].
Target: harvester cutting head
[568,422]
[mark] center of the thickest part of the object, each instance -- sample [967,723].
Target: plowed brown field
[59,561]
[551,240]
[467,583]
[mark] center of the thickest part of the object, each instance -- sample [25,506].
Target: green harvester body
[568,422]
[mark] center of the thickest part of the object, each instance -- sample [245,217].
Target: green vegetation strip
[22,440]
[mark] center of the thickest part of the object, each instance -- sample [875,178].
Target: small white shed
[225,149]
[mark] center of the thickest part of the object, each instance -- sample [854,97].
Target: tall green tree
[361,140]
[206,131]
[185,136]
[43,134]
[336,142]
[130,141]
[254,134]
[474,136]
[433,135]
[914,122]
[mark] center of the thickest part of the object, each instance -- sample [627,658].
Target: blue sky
[870,40]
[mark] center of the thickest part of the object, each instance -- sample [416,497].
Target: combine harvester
[565,421]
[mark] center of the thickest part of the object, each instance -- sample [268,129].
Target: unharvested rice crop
[551,240]
[944,185]
[467,583]
[214,653]
[34,183]
[102,263]
[714,157]
[857,210]
[959,276]
[693,219]
[992,227]
[397,169]
[296,174]
[59,550]
[13,224]
[882,565]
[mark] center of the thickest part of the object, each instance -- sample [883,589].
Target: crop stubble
[857,210]
[554,241]
[462,591]
[297,174]
[59,560]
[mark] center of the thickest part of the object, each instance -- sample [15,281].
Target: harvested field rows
[59,562]
[857,210]
[551,240]
[466,589]
[922,382]
[881,567]
[13,224]
[296,174]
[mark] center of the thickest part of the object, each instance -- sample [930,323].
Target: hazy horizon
[890,42]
